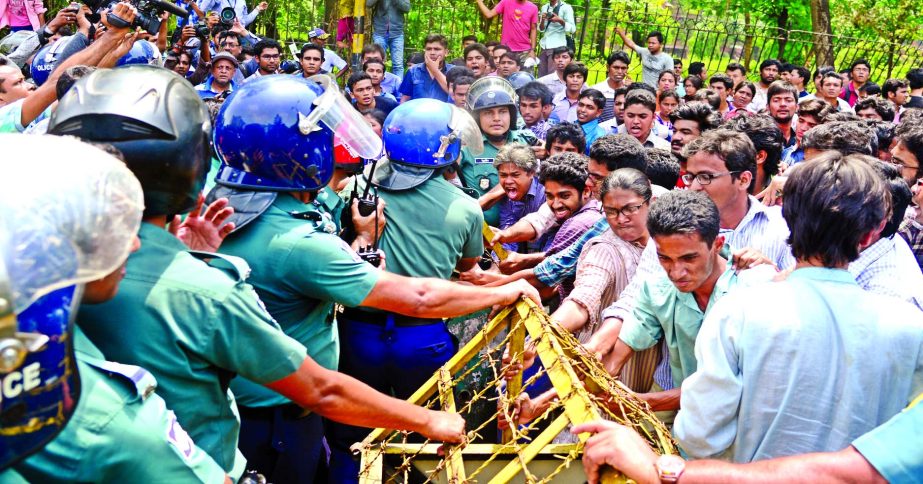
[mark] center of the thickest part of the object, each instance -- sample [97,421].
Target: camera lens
[228,15]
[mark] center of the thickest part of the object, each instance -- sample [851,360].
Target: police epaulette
[240,266]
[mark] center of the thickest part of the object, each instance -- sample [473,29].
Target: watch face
[670,466]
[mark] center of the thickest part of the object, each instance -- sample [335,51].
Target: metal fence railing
[689,36]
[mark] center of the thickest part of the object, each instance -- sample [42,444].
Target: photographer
[239,7]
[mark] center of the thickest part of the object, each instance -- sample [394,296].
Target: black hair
[696,69]
[662,167]
[561,50]
[640,86]
[884,131]
[900,195]
[266,44]
[770,62]
[831,203]
[911,136]
[469,37]
[564,132]
[310,46]
[787,67]
[436,38]
[536,90]
[655,34]
[765,135]
[356,77]
[69,77]
[847,137]
[668,93]
[803,73]
[780,87]
[595,95]
[456,72]
[566,168]
[480,48]
[576,68]
[462,81]
[892,85]
[377,114]
[706,117]
[746,85]
[366,64]
[643,98]
[723,79]
[831,75]
[859,62]
[695,80]
[870,88]
[619,151]
[884,108]
[708,96]
[665,72]
[813,107]
[684,212]
[915,78]
[373,48]
[617,56]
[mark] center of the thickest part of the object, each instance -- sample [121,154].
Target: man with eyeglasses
[268,56]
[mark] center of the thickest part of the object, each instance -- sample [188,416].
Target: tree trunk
[782,24]
[748,41]
[601,28]
[820,24]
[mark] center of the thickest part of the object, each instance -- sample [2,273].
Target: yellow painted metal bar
[514,467]
[456,363]
[474,449]
[455,466]
[514,386]
[498,248]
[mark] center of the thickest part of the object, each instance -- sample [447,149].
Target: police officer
[50,256]
[494,105]
[192,323]
[300,267]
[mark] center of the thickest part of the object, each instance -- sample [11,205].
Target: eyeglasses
[704,178]
[229,44]
[270,56]
[903,166]
[627,210]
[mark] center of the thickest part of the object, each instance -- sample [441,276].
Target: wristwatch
[670,467]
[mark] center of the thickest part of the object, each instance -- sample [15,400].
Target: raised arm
[626,39]
[488,13]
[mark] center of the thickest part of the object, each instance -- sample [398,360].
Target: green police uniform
[193,327]
[120,432]
[429,227]
[329,202]
[478,172]
[299,271]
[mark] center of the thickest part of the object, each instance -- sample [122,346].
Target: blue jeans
[394,44]
[395,360]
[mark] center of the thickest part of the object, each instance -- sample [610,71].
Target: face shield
[333,110]
[465,129]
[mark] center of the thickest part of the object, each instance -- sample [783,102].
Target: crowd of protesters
[743,250]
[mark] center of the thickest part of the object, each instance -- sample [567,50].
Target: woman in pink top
[22,14]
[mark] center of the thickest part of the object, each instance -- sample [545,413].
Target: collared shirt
[513,210]
[592,131]
[888,267]
[808,364]
[912,233]
[391,84]
[205,90]
[119,432]
[609,93]
[565,109]
[893,449]
[653,139]
[663,312]
[556,268]
[554,83]
[571,230]
[540,129]
[555,34]
[192,326]
[299,271]
[418,84]
[762,228]
[239,6]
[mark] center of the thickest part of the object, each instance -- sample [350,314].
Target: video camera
[149,12]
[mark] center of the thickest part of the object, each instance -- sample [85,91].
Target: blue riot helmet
[43,63]
[158,122]
[76,226]
[421,136]
[275,133]
[142,52]
[491,92]
[519,79]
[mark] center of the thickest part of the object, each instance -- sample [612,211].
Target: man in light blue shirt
[810,363]
[685,229]
[556,22]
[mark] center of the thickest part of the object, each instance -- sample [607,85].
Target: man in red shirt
[859,73]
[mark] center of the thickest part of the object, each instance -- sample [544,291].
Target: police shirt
[299,269]
[193,327]
[120,432]
[479,173]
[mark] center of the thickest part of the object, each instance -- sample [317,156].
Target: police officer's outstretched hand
[445,427]
[204,231]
